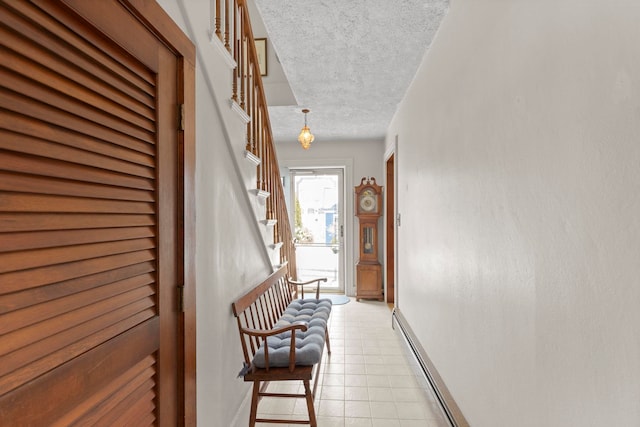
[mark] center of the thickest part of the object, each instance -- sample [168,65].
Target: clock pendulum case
[368,210]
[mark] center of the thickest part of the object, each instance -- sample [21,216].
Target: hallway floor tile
[369,380]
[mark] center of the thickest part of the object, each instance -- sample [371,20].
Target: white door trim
[349,219]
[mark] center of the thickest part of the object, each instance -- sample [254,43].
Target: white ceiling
[349,61]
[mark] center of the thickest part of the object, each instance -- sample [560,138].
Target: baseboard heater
[449,406]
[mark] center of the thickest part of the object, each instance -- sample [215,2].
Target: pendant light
[306,137]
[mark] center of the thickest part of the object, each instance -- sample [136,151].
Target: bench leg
[254,403]
[326,337]
[310,408]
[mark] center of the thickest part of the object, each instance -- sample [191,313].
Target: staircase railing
[233,27]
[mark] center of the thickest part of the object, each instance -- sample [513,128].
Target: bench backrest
[261,307]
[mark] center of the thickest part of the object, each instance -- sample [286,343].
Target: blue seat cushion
[309,344]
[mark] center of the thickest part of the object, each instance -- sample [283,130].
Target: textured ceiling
[349,61]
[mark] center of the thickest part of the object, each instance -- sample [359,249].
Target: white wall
[518,178]
[275,83]
[365,158]
[230,255]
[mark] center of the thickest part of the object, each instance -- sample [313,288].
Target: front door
[318,225]
[90,218]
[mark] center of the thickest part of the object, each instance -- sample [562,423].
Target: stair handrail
[233,27]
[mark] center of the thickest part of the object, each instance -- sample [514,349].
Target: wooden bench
[272,314]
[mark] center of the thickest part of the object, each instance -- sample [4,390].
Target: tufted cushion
[309,344]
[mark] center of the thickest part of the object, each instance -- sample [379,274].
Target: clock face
[368,203]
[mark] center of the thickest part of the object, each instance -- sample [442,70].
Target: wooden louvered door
[90,218]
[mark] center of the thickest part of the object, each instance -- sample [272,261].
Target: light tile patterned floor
[369,380]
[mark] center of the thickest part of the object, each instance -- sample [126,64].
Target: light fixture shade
[306,137]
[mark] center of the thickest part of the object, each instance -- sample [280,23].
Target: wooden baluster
[259,124]
[249,111]
[263,120]
[274,200]
[239,54]
[243,59]
[227,27]
[258,152]
[255,118]
[248,105]
[281,231]
[263,168]
[236,73]
[233,30]
[217,21]
[258,113]
[265,171]
[284,234]
[234,39]
[271,179]
[269,182]
[275,176]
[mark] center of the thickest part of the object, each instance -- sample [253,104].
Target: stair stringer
[235,121]
[214,63]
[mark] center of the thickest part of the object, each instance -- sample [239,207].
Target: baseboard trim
[241,419]
[449,406]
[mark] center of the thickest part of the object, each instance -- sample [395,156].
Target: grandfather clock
[368,210]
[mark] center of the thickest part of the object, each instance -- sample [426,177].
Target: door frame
[341,212]
[159,23]
[391,242]
[347,166]
[389,226]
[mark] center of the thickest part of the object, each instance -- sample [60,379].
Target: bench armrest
[308,282]
[263,333]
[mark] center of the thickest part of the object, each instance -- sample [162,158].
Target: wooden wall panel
[81,387]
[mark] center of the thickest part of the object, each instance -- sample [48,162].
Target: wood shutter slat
[63,389]
[41,133]
[113,74]
[14,202]
[60,187]
[125,412]
[34,341]
[23,260]
[48,239]
[70,76]
[34,296]
[10,222]
[99,50]
[21,144]
[60,92]
[29,279]
[60,63]
[21,376]
[37,313]
[47,167]
[102,401]
[114,131]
